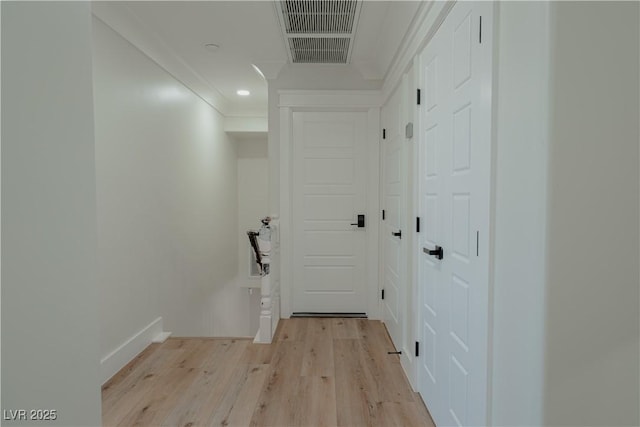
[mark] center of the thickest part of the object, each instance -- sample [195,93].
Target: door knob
[360,222]
[437,252]
[397,234]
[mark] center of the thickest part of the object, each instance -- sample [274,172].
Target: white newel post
[264,241]
[265,244]
[266,331]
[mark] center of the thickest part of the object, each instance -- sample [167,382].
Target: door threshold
[346,315]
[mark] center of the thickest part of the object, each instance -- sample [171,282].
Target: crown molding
[368,69]
[257,124]
[426,22]
[124,22]
[270,69]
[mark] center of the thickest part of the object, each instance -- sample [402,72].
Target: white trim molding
[330,99]
[252,124]
[291,101]
[128,350]
[124,22]
[428,19]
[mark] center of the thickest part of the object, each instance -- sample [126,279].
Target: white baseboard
[118,358]
[161,337]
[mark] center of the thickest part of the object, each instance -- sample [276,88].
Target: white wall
[167,202]
[253,200]
[521,96]
[566,322]
[0,207]
[253,204]
[593,324]
[49,320]
[301,77]
[565,317]
[304,77]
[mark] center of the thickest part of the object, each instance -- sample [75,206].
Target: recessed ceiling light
[243,92]
[212,47]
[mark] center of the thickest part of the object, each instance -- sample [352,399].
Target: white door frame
[394,123]
[291,101]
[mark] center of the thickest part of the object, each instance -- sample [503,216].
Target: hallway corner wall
[253,204]
[166,202]
[521,135]
[49,292]
[330,77]
[593,316]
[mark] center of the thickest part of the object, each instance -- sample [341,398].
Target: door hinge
[383,294]
[417,224]
[417,349]
[384,134]
[418,96]
[480,32]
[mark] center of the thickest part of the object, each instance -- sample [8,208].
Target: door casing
[291,101]
[393,201]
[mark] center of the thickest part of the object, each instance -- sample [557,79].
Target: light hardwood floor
[318,372]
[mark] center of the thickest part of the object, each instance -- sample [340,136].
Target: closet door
[393,233]
[434,134]
[455,152]
[329,192]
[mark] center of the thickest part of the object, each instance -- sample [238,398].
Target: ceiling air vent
[325,50]
[319,31]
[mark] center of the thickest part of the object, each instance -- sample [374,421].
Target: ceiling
[248,32]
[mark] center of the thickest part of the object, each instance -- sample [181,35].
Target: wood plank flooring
[318,372]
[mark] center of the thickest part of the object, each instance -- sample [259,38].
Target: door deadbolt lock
[360,222]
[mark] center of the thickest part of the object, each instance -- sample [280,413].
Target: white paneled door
[454,194]
[392,225]
[329,192]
